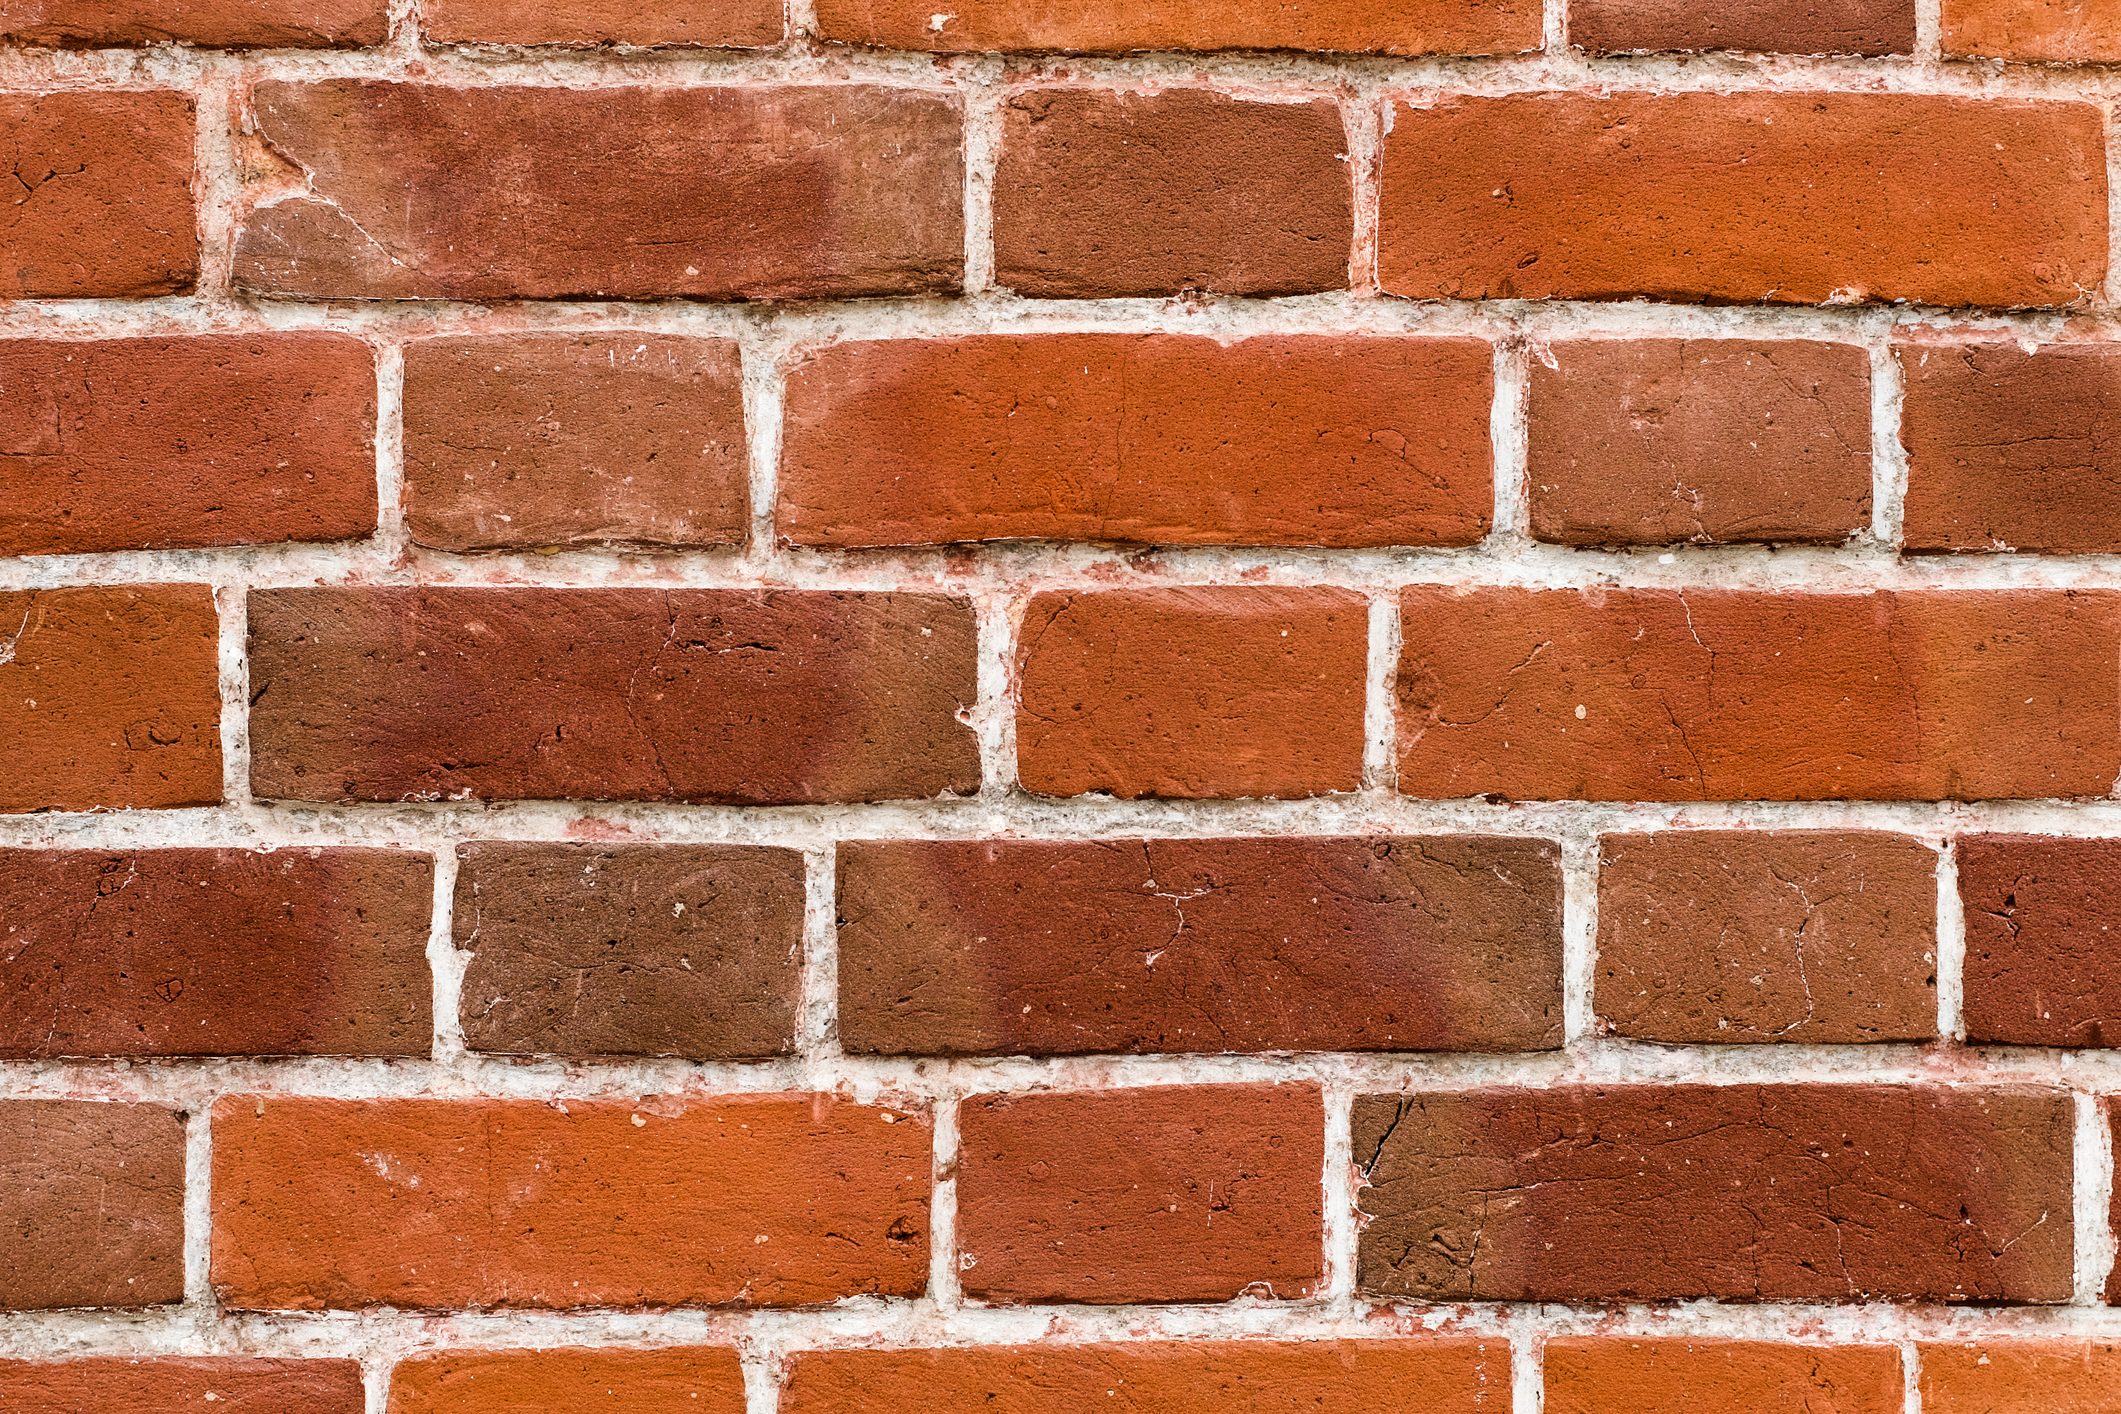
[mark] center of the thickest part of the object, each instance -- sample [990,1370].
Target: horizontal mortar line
[913,1081]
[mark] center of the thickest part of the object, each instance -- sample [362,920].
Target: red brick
[150,444]
[2007,1376]
[91,1205]
[1192,692]
[630,950]
[172,952]
[1720,1377]
[2009,450]
[498,1203]
[1796,198]
[638,192]
[234,24]
[1651,694]
[1110,26]
[1159,1377]
[1775,26]
[103,203]
[1102,194]
[2043,957]
[153,1386]
[524,441]
[726,24]
[1749,935]
[1711,441]
[727,696]
[109,696]
[1014,947]
[679,1380]
[1140,438]
[1732,1192]
[1116,1196]
[2050,31]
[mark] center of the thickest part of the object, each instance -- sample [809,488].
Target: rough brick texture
[1607,1376]
[706,1380]
[261,24]
[2043,952]
[1777,26]
[102,205]
[2044,31]
[1738,1192]
[731,24]
[442,1203]
[91,1204]
[1099,26]
[228,1385]
[1155,440]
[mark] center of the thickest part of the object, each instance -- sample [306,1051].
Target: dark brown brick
[2043,939]
[91,1204]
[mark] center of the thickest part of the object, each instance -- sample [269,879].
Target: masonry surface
[1162,706]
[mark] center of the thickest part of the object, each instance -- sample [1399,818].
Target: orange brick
[1720,1377]
[152,1386]
[2006,1376]
[698,1380]
[1110,26]
[2046,31]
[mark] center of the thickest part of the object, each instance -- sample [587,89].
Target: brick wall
[1155,706]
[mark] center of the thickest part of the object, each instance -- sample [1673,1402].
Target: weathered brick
[1774,26]
[1825,937]
[1110,26]
[731,696]
[1733,1192]
[1795,198]
[635,192]
[726,24]
[2009,450]
[103,200]
[2047,31]
[1613,1376]
[148,444]
[233,24]
[109,697]
[2043,956]
[676,1380]
[170,952]
[1116,1196]
[1015,947]
[91,1205]
[1101,194]
[601,950]
[1654,694]
[524,441]
[1140,438]
[1159,1377]
[167,1383]
[505,1203]
[2019,1376]
[1710,441]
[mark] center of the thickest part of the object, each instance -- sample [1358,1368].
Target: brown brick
[1774,26]
[726,24]
[678,1380]
[1746,935]
[1140,438]
[232,24]
[103,200]
[1110,26]
[1159,1377]
[728,696]
[172,952]
[1795,198]
[2013,1376]
[1653,694]
[523,441]
[91,1205]
[1192,692]
[2009,450]
[1732,1192]
[1116,1196]
[2043,954]
[630,950]
[634,192]
[1610,1376]
[166,1383]
[1711,441]
[109,696]
[506,1203]
[150,444]
[2048,31]
[1014,947]
[1102,194]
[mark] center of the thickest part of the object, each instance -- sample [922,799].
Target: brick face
[230,1385]
[1779,26]
[1720,1377]
[2041,947]
[92,1202]
[105,197]
[2043,31]
[1107,26]
[2018,1376]
[732,24]
[709,1380]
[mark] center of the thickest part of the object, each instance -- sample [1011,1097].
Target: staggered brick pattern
[1003,707]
